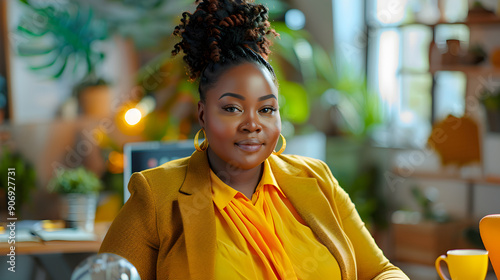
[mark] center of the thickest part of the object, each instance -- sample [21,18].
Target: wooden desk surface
[51,247]
[54,247]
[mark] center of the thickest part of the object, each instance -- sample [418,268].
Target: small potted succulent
[79,189]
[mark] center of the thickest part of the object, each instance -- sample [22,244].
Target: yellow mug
[464,264]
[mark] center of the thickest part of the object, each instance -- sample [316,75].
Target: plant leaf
[40,67]
[23,29]
[31,51]
[60,72]
[74,30]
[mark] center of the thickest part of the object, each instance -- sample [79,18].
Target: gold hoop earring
[283,146]
[204,144]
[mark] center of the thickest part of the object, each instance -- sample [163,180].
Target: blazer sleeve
[133,233]
[370,260]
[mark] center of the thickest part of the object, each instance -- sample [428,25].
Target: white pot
[80,210]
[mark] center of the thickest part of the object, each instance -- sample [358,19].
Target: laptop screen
[145,155]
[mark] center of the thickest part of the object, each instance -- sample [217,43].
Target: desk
[59,247]
[50,259]
[51,247]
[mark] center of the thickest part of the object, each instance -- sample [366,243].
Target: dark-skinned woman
[236,208]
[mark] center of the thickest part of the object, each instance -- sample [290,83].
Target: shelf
[489,180]
[472,19]
[482,18]
[467,69]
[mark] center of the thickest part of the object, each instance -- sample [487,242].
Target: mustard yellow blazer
[167,227]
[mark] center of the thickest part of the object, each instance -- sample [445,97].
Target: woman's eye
[268,110]
[230,109]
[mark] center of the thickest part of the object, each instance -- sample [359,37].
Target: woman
[236,209]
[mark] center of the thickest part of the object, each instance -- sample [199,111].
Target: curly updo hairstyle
[221,34]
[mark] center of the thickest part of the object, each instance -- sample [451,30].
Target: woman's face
[240,116]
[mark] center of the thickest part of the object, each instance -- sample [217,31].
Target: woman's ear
[201,113]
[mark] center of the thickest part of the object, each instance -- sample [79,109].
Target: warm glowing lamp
[133,116]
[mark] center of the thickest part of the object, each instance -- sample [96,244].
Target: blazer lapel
[197,211]
[309,201]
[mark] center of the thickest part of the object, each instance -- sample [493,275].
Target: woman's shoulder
[299,161]
[295,164]
[173,166]
[166,176]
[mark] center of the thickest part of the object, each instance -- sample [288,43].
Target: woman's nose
[251,124]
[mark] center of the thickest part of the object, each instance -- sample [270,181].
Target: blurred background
[400,98]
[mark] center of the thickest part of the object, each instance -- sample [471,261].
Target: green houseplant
[62,40]
[62,35]
[340,105]
[79,189]
[75,181]
[314,86]
[25,177]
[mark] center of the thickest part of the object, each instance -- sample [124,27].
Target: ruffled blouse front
[265,238]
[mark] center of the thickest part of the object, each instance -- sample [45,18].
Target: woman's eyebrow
[262,98]
[235,95]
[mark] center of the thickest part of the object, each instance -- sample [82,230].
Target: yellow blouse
[265,238]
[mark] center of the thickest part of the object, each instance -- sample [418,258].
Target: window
[414,88]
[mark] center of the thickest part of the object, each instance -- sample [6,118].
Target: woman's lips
[250,145]
[249,148]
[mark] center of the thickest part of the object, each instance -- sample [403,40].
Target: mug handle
[438,267]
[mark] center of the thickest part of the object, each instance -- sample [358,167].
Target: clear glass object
[105,266]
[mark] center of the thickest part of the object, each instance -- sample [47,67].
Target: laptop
[145,155]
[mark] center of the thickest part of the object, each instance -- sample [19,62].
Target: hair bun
[218,28]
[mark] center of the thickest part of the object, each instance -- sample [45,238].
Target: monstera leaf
[60,35]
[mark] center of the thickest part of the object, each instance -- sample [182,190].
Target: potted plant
[63,38]
[24,175]
[79,189]
[66,36]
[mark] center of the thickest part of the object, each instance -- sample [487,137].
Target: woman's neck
[242,180]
